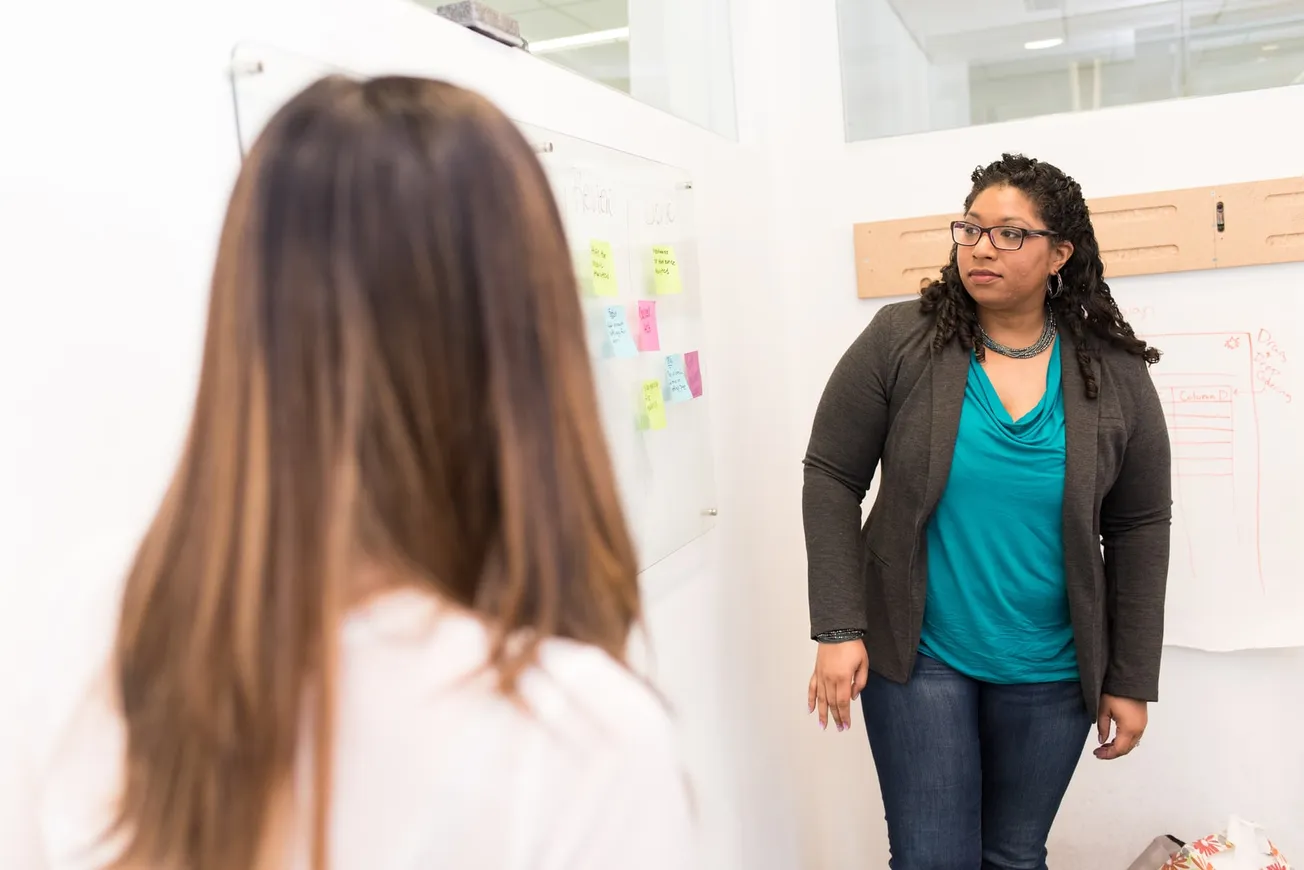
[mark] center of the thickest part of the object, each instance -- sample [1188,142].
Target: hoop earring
[1056,290]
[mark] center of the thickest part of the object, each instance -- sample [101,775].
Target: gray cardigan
[892,399]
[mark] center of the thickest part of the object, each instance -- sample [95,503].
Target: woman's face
[1003,279]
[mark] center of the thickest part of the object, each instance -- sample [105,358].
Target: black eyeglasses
[1002,238]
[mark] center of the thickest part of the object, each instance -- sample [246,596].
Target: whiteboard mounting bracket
[246,67]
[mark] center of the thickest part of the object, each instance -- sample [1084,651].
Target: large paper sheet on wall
[1229,382]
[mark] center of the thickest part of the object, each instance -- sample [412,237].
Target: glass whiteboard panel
[643,212]
[637,215]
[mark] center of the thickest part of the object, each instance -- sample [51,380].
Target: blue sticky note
[677,389]
[619,339]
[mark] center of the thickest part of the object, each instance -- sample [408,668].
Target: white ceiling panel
[605,63]
[540,24]
[926,18]
[597,14]
[509,7]
[996,32]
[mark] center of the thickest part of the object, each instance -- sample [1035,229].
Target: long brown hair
[395,373]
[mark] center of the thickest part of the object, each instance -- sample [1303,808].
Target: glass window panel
[910,66]
[675,55]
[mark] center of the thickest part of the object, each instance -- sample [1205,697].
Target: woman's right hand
[841,670]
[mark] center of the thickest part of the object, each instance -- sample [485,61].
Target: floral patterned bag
[1244,846]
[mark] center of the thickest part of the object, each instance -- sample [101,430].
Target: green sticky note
[665,271]
[602,263]
[654,405]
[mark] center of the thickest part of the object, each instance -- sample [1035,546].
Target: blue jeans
[972,773]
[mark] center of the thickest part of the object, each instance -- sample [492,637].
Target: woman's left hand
[1129,718]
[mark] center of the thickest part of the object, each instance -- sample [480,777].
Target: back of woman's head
[394,375]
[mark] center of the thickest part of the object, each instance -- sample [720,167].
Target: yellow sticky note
[654,406]
[603,265]
[665,271]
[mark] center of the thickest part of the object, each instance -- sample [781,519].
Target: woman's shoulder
[1128,372]
[581,742]
[597,696]
[904,318]
[569,690]
[895,328]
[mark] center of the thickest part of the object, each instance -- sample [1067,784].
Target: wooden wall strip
[1139,234]
[1153,233]
[1264,223]
[894,258]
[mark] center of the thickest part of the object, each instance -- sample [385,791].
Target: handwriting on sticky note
[649,338]
[654,405]
[665,271]
[602,263]
[677,379]
[693,372]
[619,339]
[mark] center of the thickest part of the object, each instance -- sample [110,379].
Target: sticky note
[693,372]
[654,406]
[677,379]
[665,271]
[648,336]
[602,263]
[619,339]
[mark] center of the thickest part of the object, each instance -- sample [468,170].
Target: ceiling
[988,36]
[931,18]
[550,19]
[996,31]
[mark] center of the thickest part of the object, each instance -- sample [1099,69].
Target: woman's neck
[1013,328]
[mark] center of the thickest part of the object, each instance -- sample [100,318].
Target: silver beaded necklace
[1032,350]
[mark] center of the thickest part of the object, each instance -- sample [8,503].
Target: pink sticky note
[693,370]
[648,336]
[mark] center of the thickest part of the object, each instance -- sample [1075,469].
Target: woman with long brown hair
[380,618]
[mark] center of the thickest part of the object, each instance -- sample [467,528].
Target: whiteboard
[637,207]
[1227,381]
[641,213]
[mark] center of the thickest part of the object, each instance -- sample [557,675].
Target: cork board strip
[896,258]
[1139,234]
[1263,223]
[1154,233]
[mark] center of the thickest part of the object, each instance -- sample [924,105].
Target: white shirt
[432,771]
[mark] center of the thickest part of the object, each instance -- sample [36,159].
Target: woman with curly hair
[1008,587]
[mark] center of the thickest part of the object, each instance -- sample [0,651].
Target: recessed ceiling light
[1038,44]
[1272,46]
[580,40]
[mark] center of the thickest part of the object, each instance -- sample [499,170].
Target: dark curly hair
[1085,308]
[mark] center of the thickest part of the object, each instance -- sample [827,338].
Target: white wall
[1225,737]
[113,191]
[110,200]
